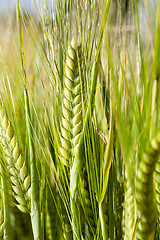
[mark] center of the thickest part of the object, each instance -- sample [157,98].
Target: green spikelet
[158,185]
[71,125]
[129,212]
[16,165]
[67,107]
[87,204]
[77,112]
[145,193]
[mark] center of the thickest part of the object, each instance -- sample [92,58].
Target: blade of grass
[35,208]
[108,159]
[35,211]
[22,52]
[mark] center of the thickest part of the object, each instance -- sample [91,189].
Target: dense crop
[80,123]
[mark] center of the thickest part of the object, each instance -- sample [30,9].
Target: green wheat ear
[158,185]
[15,163]
[77,109]
[71,125]
[145,193]
[89,215]
[129,212]
[67,107]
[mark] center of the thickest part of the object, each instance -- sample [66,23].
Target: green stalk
[154,109]
[76,234]
[35,211]
[102,216]
[7,225]
[111,210]
[61,61]
[22,51]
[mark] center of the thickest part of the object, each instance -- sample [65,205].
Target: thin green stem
[103,221]
[35,211]
[7,223]
[76,234]
[111,211]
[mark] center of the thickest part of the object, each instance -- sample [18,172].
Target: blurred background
[6,5]
[9,33]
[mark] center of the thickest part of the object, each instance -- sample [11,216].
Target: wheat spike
[15,163]
[129,212]
[77,110]
[66,127]
[157,177]
[145,194]
[87,203]
[71,126]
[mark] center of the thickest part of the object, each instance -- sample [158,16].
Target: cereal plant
[80,121]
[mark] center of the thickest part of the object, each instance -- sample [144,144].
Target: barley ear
[67,108]
[16,165]
[129,212]
[145,194]
[79,153]
[157,182]
[89,215]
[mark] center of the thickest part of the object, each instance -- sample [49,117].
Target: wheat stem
[35,212]
[103,219]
